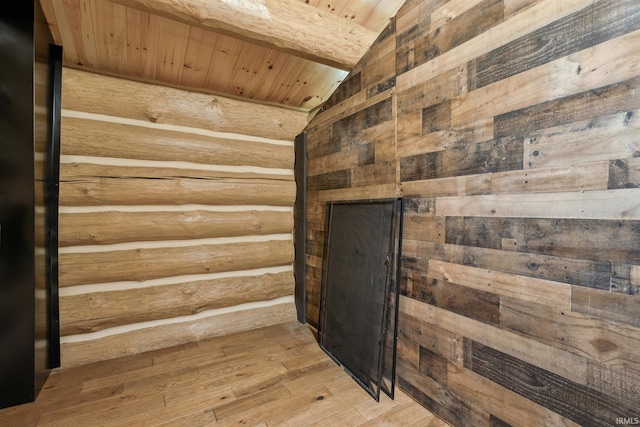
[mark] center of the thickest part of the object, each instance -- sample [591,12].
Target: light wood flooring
[265,377]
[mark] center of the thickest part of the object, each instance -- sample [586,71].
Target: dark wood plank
[497,422]
[419,205]
[436,117]
[330,180]
[380,87]
[607,305]
[616,381]
[624,173]
[472,303]
[571,400]
[623,280]
[438,398]
[602,21]
[498,155]
[593,274]
[590,239]
[444,86]
[347,128]
[349,87]
[440,341]
[460,29]
[604,101]
[433,365]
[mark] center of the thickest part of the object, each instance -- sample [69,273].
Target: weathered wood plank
[374,174]
[464,27]
[330,180]
[447,85]
[411,141]
[597,23]
[590,239]
[440,341]
[460,299]
[592,274]
[455,186]
[439,398]
[433,365]
[538,16]
[624,173]
[451,10]
[418,227]
[525,288]
[104,228]
[498,155]
[591,176]
[383,191]
[86,137]
[493,397]
[599,339]
[618,382]
[597,139]
[607,100]
[607,305]
[604,64]
[573,401]
[116,191]
[147,264]
[604,205]
[561,362]
[349,87]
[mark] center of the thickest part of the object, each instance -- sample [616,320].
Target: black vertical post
[300,226]
[53,191]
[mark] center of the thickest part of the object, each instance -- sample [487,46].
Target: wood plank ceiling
[292,53]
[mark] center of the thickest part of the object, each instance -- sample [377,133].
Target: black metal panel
[17,248]
[300,226]
[29,346]
[52,201]
[356,310]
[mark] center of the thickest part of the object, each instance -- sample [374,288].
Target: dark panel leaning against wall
[516,146]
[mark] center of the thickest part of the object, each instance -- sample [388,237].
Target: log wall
[511,129]
[176,216]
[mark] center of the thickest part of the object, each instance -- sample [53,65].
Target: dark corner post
[53,186]
[300,226]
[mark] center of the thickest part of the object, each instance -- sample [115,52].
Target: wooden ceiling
[292,53]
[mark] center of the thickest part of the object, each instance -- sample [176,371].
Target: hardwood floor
[265,377]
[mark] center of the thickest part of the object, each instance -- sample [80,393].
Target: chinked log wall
[175,219]
[512,128]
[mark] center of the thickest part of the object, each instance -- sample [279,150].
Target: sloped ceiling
[292,53]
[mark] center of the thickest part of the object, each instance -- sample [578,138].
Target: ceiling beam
[290,26]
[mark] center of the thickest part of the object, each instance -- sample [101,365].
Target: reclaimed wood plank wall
[511,128]
[176,216]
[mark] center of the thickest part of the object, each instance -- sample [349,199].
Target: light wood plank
[291,26]
[104,228]
[115,191]
[101,310]
[152,263]
[167,335]
[621,204]
[103,95]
